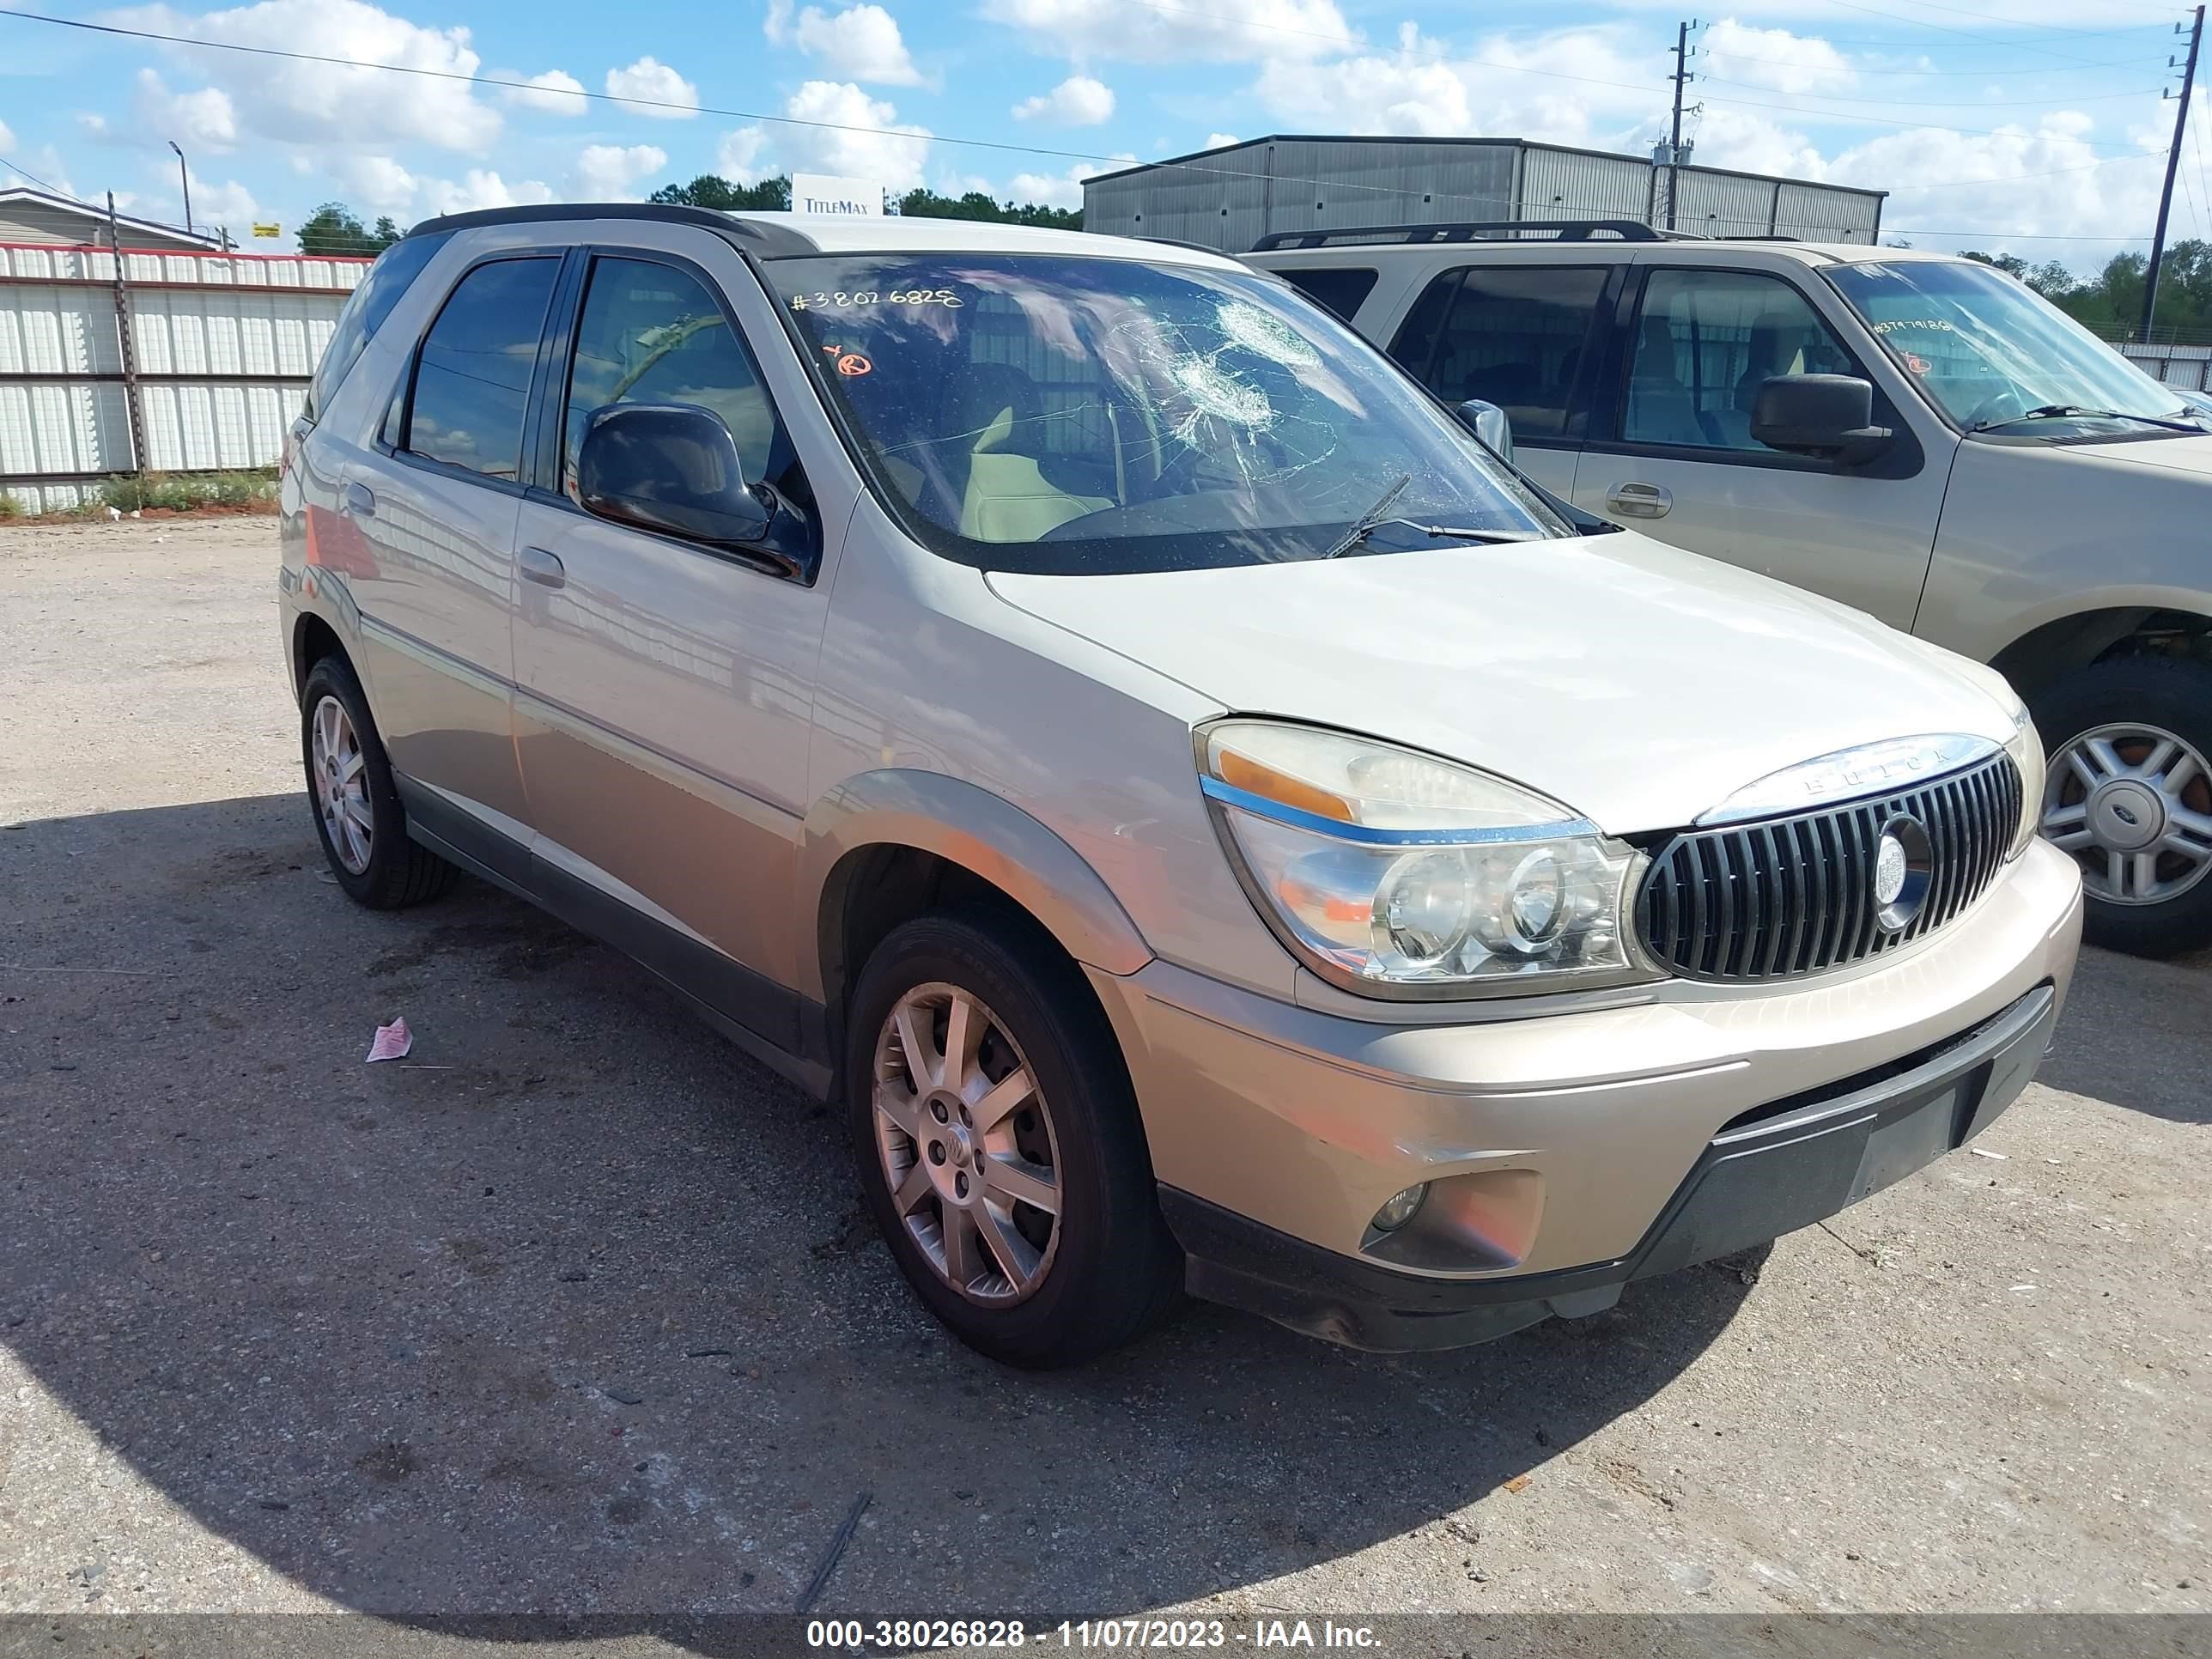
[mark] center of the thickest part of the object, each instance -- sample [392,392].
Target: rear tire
[2130,742]
[958,1152]
[358,817]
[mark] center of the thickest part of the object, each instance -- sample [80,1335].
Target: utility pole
[126,344]
[184,178]
[1681,77]
[2172,162]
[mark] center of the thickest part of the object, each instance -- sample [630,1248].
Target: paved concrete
[577,1313]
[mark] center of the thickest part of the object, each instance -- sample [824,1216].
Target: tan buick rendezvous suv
[1208,821]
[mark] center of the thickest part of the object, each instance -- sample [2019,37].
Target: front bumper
[1558,1138]
[1784,1168]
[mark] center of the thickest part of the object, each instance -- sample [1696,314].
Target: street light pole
[184,178]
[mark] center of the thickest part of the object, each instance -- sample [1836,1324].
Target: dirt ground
[577,1313]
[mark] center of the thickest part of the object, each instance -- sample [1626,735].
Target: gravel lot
[578,1313]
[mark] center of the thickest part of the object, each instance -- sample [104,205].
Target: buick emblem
[1904,863]
[1888,871]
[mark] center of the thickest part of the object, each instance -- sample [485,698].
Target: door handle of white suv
[543,568]
[360,501]
[1639,501]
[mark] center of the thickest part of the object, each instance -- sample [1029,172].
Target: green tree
[710,190]
[920,203]
[334,227]
[772,195]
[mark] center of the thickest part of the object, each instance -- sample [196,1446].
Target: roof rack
[767,240]
[1558,230]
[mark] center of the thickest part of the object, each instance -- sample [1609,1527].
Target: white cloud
[1220,140]
[862,41]
[891,153]
[555,91]
[1774,60]
[742,158]
[1221,31]
[480,188]
[335,103]
[666,95]
[378,184]
[1425,89]
[610,172]
[1061,190]
[230,205]
[1077,101]
[7,139]
[198,121]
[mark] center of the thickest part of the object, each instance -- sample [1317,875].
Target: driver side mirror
[1827,415]
[673,468]
[1488,422]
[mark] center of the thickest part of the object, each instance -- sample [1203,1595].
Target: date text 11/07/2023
[904,1635]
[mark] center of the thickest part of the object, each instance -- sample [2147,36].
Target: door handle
[360,501]
[1639,501]
[540,567]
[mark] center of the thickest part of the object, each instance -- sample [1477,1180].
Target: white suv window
[1706,341]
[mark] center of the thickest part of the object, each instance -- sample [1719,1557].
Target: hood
[2174,454]
[1636,683]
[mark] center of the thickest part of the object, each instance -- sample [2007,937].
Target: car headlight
[2025,748]
[1394,873]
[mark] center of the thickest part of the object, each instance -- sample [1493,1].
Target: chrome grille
[1794,895]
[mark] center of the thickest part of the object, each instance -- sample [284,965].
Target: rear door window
[472,379]
[1518,337]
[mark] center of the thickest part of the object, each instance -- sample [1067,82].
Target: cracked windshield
[1082,416]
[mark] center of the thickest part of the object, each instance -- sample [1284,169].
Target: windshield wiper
[2066,412]
[1371,519]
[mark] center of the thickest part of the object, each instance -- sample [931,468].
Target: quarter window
[1706,341]
[1342,288]
[653,334]
[382,288]
[473,381]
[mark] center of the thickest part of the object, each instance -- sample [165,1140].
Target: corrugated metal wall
[223,346]
[2186,366]
[1566,184]
[1229,198]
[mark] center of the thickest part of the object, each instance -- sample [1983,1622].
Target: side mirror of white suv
[1488,422]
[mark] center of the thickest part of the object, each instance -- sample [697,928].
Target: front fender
[981,832]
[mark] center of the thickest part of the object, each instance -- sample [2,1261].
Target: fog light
[1399,1209]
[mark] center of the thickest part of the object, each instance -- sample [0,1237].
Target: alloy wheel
[340,776]
[2133,804]
[967,1144]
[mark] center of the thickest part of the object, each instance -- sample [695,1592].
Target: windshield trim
[1934,406]
[917,527]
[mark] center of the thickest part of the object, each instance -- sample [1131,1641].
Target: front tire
[358,817]
[999,1143]
[2128,794]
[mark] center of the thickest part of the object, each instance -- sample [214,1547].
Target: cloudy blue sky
[2031,125]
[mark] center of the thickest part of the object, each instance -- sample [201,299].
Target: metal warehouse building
[188,359]
[1229,198]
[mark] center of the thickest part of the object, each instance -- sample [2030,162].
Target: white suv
[1078,706]
[1918,436]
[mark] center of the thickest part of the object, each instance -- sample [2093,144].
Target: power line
[1732,56]
[1052,152]
[1945,28]
[982,143]
[1965,103]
